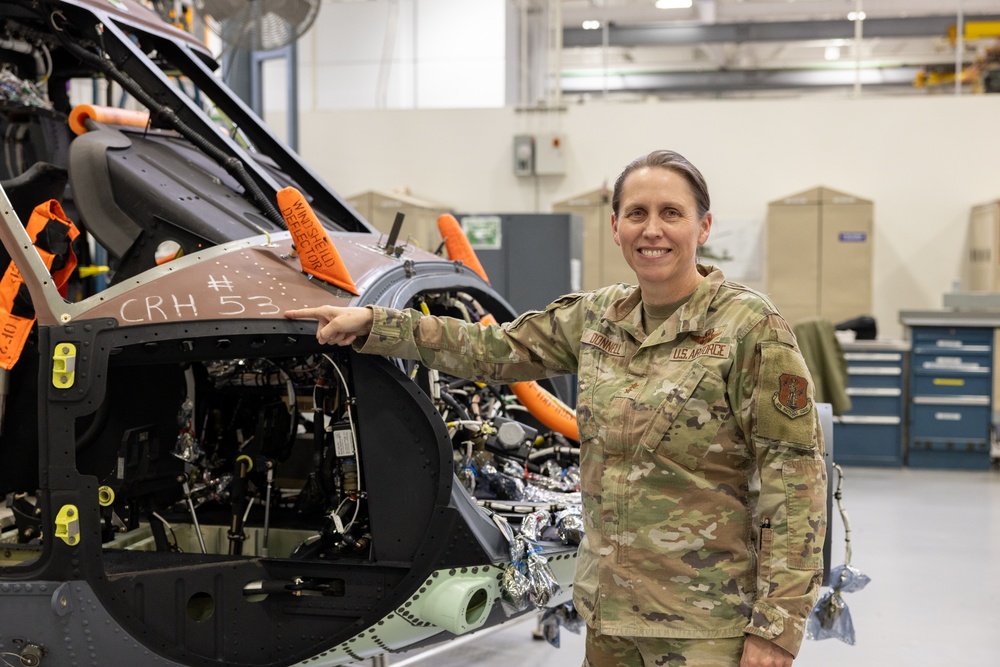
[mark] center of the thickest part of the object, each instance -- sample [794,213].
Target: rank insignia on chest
[707,336]
[792,398]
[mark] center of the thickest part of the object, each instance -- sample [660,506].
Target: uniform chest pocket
[688,418]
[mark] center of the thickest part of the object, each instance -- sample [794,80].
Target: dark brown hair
[674,162]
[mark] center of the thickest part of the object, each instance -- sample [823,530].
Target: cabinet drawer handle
[952,400]
[874,370]
[873,356]
[874,391]
[869,420]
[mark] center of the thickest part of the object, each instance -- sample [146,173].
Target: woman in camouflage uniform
[702,471]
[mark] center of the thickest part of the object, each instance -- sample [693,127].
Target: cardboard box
[819,255]
[602,261]
[420,221]
[983,273]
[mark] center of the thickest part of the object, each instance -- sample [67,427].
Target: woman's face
[659,232]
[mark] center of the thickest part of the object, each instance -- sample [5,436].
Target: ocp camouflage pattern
[691,437]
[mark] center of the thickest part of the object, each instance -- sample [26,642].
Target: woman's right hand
[337,326]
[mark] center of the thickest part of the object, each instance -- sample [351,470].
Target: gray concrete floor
[929,540]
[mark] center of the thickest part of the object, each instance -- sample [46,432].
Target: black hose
[454,405]
[96,426]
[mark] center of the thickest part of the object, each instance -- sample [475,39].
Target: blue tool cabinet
[951,389]
[871,432]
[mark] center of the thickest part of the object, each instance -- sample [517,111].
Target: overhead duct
[786,31]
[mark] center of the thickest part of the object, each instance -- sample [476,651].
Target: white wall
[398,54]
[923,161]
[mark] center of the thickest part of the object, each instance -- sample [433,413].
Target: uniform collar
[626,313]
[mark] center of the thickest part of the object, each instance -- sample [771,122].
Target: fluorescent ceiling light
[591,25]
[673,4]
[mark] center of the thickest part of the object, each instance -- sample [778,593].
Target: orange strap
[53,235]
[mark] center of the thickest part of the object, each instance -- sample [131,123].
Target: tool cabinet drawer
[964,419]
[875,401]
[874,376]
[951,337]
[934,382]
[868,440]
[932,453]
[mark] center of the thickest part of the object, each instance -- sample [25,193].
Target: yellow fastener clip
[68,525]
[64,366]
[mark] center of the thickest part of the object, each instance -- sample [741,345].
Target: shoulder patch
[792,397]
[784,398]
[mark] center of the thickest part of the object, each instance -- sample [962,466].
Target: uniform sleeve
[538,344]
[774,392]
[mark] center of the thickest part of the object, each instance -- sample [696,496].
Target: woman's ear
[706,228]
[614,229]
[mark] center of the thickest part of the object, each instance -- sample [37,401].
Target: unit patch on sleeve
[792,397]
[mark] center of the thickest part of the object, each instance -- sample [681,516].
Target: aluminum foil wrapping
[501,485]
[513,469]
[514,590]
[553,476]
[569,525]
[543,582]
[552,469]
[534,524]
[486,467]
[527,579]
[537,494]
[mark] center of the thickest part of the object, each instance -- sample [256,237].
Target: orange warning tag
[317,253]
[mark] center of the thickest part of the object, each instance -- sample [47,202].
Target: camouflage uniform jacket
[691,437]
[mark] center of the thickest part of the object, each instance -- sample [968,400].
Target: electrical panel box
[524,155]
[549,160]
[819,255]
[420,221]
[540,155]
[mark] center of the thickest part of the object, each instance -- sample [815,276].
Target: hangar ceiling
[733,48]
